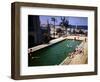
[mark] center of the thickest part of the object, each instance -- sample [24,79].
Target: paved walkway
[80,58]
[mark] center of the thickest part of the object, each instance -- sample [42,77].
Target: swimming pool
[54,54]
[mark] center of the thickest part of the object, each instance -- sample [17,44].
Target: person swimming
[68,45]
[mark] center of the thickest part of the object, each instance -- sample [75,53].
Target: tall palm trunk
[54,20]
[54,29]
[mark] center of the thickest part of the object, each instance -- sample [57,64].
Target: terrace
[54,40]
[76,58]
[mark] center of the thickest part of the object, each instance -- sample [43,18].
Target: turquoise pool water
[53,55]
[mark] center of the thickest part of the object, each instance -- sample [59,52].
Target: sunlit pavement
[79,58]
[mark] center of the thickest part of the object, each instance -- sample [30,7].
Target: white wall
[5,40]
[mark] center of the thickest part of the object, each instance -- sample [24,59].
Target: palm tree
[64,23]
[48,26]
[54,20]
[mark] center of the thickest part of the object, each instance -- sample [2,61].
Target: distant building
[78,29]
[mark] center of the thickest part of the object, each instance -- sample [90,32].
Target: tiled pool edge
[47,45]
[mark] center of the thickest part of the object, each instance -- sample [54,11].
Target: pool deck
[80,58]
[77,58]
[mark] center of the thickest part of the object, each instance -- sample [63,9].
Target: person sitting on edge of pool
[85,39]
[74,38]
[30,52]
[74,50]
[72,55]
